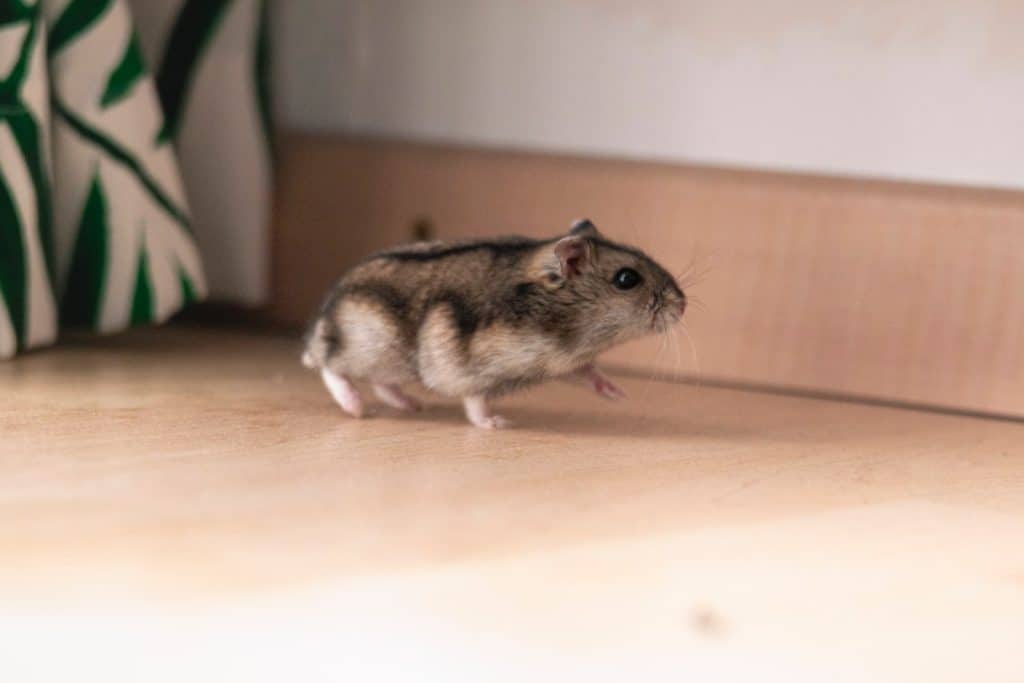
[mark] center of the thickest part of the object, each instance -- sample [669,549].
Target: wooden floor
[196,491]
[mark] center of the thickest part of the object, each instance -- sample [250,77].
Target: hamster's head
[619,292]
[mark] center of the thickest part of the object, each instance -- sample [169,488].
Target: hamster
[476,320]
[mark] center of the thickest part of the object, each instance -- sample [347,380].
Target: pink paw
[344,394]
[491,422]
[396,398]
[479,414]
[606,388]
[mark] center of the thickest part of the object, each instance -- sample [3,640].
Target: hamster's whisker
[664,355]
[685,270]
[653,374]
[694,278]
[663,349]
[658,364]
[690,265]
[695,272]
[694,301]
[678,354]
[693,353]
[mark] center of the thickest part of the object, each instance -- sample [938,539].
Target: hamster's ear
[574,255]
[584,227]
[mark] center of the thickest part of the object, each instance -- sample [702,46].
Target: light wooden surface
[895,291]
[189,505]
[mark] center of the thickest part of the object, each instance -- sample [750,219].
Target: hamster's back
[372,320]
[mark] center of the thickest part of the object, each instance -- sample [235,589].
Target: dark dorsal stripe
[510,247]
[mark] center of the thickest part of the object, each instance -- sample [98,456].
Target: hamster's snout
[670,306]
[676,303]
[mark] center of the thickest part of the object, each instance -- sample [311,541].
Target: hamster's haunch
[475,320]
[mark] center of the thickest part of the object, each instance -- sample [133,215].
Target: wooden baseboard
[898,292]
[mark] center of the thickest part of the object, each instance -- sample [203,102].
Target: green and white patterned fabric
[98,226]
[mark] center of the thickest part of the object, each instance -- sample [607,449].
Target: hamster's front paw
[601,384]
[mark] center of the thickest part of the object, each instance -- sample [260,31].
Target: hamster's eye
[626,278]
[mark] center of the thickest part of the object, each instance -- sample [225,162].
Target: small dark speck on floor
[706,622]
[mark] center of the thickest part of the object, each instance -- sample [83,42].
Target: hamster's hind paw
[479,414]
[493,422]
[344,394]
[393,396]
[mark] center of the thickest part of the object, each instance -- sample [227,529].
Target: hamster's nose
[682,306]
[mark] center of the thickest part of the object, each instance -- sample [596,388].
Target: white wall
[919,89]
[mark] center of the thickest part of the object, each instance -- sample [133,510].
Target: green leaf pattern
[28,315]
[96,227]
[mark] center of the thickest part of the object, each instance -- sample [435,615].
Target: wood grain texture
[901,292]
[185,490]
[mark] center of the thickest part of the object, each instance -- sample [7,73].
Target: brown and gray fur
[480,319]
